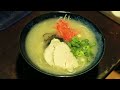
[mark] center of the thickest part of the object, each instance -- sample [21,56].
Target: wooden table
[13,66]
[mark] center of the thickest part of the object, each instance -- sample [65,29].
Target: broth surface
[35,45]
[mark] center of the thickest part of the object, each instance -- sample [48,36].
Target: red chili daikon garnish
[64,30]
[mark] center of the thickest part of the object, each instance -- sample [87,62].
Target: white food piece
[59,54]
[64,58]
[48,54]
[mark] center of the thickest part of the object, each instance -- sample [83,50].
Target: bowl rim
[56,75]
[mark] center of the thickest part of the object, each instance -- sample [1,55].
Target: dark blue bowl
[99,36]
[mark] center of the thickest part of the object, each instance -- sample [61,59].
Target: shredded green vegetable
[80,47]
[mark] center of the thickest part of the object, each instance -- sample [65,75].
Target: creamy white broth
[35,45]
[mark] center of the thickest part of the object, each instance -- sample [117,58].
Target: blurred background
[115,16]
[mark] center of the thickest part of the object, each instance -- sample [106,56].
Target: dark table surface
[13,66]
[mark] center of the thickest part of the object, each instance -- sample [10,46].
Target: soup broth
[35,45]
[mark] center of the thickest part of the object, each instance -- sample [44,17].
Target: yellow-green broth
[34,45]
